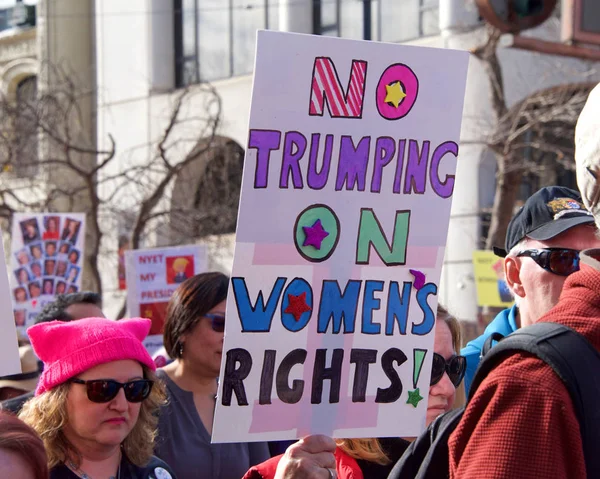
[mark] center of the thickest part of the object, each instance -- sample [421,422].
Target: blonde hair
[370,449]
[47,415]
[180,262]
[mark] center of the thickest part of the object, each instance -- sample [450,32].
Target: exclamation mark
[419,357]
[414,396]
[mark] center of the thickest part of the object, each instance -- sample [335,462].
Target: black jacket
[155,469]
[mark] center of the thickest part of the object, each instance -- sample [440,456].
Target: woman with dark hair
[22,453]
[193,335]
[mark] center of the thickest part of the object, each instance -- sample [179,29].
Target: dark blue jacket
[504,323]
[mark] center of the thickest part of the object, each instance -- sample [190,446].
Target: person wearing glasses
[375,458]
[193,336]
[542,248]
[96,403]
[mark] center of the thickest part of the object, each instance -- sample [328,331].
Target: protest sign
[490,282]
[10,362]
[152,276]
[47,259]
[344,210]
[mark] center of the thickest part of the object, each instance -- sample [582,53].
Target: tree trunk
[507,190]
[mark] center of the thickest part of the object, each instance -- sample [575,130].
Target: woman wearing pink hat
[96,403]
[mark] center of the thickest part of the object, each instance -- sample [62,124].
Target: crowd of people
[90,402]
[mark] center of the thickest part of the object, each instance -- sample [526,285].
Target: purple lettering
[294,147]
[317,180]
[264,141]
[384,150]
[416,168]
[399,165]
[443,189]
[352,166]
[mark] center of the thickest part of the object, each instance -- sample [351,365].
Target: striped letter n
[326,87]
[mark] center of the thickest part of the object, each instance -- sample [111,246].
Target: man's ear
[512,273]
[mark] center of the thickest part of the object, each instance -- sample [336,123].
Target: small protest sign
[490,281]
[46,260]
[152,277]
[344,211]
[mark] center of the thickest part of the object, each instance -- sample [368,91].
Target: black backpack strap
[427,456]
[490,341]
[574,360]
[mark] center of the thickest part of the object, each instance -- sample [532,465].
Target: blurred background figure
[24,382]
[22,453]
[65,307]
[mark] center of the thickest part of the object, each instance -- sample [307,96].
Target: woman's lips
[116,420]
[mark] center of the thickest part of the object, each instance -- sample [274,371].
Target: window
[382,20]
[24,162]
[216,39]
[17,13]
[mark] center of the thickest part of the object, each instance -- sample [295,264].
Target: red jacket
[521,422]
[346,467]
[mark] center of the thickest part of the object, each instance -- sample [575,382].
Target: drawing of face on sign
[61,269]
[61,287]
[20,294]
[74,256]
[22,276]
[35,290]
[48,286]
[49,266]
[22,256]
[20,316]
[71,231]
[36,270]
[73,274]
[36,251]
[30,230]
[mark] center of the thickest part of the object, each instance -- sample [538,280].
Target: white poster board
[152,276]
[46,260]
[10,362]
[344,211]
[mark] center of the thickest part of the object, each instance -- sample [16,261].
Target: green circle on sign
[329,222]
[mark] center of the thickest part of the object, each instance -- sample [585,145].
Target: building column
[296,16]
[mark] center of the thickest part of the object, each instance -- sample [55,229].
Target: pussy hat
[70,348]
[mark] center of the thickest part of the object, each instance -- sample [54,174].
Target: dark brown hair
[18,438]
[191,300]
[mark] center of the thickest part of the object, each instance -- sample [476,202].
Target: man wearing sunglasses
[542,248]
[521,422]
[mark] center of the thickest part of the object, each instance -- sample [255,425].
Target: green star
[414,397]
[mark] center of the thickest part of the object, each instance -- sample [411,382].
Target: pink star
[315,235]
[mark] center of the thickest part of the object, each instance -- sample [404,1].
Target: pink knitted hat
[70,348]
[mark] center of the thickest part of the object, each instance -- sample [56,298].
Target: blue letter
[257,318]
[397,308]
[291,320]
[370,303]
[428,316]
[337,306]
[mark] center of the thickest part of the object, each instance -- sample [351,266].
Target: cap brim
[26,385]
[554,228]
[499,252]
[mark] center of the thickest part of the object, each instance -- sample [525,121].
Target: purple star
[315,235]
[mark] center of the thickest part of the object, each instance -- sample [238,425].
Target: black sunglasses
[455,367]
[217,322]
[560,261]
[105,390]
